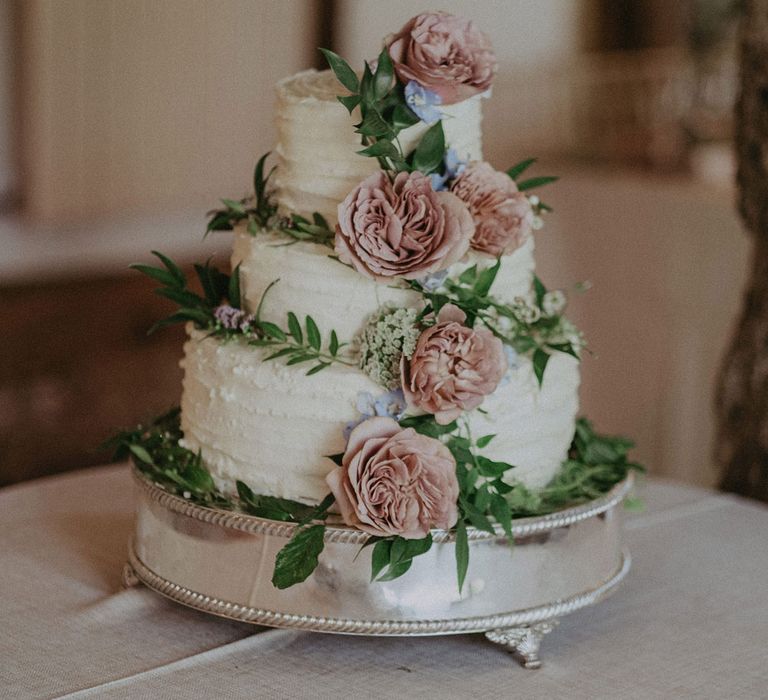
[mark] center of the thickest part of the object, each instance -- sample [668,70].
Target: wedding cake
[382,352]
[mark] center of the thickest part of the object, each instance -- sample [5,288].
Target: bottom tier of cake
[269,425]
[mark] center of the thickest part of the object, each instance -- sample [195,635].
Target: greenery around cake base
[595,464]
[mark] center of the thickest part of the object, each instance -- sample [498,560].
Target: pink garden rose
[445,54]
[394,481]
[453,367]
[503,216]
[402,228]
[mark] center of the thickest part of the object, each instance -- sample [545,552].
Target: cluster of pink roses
[394,481]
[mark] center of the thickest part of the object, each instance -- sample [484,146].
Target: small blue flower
[453,167]
[423,102]
[434,281]
[390,405]
[513,359]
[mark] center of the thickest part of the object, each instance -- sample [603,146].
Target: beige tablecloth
[691,621]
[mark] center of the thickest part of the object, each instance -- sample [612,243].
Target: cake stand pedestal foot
[523,642]
[129,577]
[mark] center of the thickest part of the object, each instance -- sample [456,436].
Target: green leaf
[385,72]
[333,345]
[234,206]
[536,182]
[380,557]
[375,126]
[381,149]
[259,181]
[313,333]
[162,276]
[485,440]
[263,297]
[395,570]
[403,549]
[294,328]
[519,168]
[567,348]
[477,518]
[503,515]
[403,117]
[198,478]
[181,297]
[234,288]
[141,454]
[486,279]
[462,552]
[539,289]
[540,359]
[317,368]
[341,69]
[172,267]
[280,353]
[320,220]
[428,155]
[298,559]
[301,357]
[272,330]
[469,275]
[349,101]
[491,468]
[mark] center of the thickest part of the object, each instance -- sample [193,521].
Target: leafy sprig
[537,335]
[257,209]
[384,114]
[293,343]
[156,452]
[518,169]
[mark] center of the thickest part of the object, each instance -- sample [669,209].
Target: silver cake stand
[221,562]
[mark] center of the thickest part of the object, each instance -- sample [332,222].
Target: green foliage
[297,345]
[518,169]
[393,556]
[384,113]
[291,344]
[526,328]
[299,558]
[257,209]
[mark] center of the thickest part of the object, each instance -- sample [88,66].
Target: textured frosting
[334,294]
[269,425]
[317,160]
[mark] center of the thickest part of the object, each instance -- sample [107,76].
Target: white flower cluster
[388,335]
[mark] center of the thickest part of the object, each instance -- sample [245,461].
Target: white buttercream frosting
[335,295]
[271,426]
[317,160]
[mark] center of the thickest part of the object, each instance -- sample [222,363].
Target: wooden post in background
[742,397]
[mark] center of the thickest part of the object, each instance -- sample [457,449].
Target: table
[690,621]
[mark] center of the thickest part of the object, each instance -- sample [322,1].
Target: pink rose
[453,367]
[402,228]
[503,216]
[394,481]
[445,54]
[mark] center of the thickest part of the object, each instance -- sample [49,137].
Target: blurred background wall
[123,121]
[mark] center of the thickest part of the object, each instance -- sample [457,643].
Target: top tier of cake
[316,142]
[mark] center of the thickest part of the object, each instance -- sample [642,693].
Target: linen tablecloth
[690,621]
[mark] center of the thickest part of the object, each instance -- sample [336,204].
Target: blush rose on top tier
[394,481]
[453,368]
[503,216]
[445,54]
[402,228]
